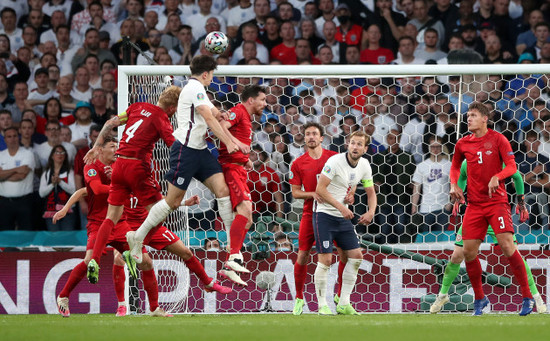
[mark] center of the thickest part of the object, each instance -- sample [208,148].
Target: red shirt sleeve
[458,157]
[165,129]
[295,177]
[98,188]
[507,155]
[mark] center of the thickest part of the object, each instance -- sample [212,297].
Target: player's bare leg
[506,243]
[210,285]
[157,214]
[113,216]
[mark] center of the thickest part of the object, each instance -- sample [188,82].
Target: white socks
[320,278]
[225,211]
[349,277]
[157,215]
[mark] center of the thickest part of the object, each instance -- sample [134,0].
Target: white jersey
[435,181]
[343,177]
[192,127]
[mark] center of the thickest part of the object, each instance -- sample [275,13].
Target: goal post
[405,250]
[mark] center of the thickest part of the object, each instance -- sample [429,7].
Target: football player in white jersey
[332,219]
[189,155]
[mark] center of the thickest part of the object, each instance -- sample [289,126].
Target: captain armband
[123,117]
[367,183]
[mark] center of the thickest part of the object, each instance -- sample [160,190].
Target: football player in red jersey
[485,151]
[304,173]
[235,166]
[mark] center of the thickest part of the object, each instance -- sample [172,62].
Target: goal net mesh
[414,122]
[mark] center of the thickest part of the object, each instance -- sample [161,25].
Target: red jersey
[484,156]
[378,56]
[305,171]
[287,55]
[263,183]
[135,213]
[351,37]
[97,203]
[146,124]
[241,128]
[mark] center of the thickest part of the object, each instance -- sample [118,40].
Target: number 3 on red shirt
[479,154]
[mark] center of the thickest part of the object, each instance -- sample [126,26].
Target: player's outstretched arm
[72,200]
[298,193]
[216,128]
[325,195]
[111,124]
[245,149]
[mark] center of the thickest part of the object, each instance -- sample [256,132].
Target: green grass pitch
[276,327]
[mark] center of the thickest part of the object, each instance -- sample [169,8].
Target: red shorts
[306,238]
[160,237]
[133,176]
[478,217]
[117,239]
[236,179]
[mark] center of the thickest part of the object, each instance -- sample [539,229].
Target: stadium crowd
[58,62]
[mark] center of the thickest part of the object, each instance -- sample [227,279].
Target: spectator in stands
[82,91]
[8,18]
[282,243]
[348,32]
[52,113]
[422,21]
[91,46]
[326,7]
[57,19]
[271,37]
[285,11]
[372,52]
[56,186]
[91,62]
[307,106]
[528,38]
[308,31]
[26,132]
[128,29]
[392,176]
[30,40]
[37,138]
[542,33]
[154,39]
[446,12]
[198,21]
[325,55]
[506,28]
[133,9]
[65,50]
[285,51]
[183,52]
[64,89]
[338,50]
[296,147]
[535,168]
[280,158]
[261,12]
[407,47]
[81,127]
[170,33]
[264,186]
[5,122]
[16,184]
[151,20]
[237,15]
[212,24]
[348,125]
[304,53]
[52,133]
[6,99]
[376,113]
[431,177]
[430,51]
[66,134]
[41,93]
[544,148]
[250,34]
[494,53]
[391,23]
[484,13]
[352,56]
[212,244]
[471,39]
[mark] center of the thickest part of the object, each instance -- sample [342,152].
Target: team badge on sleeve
[290,175]
[327,169]
[200,96]
[92,172]
[232,115]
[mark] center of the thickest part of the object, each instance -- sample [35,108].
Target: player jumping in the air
[189,156]
[332,219]
[453,267]
[97,180]
[485,151]
[304,172]
[235,166]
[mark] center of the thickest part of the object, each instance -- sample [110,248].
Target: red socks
[300,273]
[341,266]
[101,238]
[196,267]
[237,233]
[151,287]
[474,272]
[118,280]
[75,277]
[518,267]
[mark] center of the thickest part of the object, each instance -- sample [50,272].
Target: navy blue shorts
[327,228]
[187,163]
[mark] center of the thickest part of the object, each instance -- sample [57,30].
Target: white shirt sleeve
[330,168]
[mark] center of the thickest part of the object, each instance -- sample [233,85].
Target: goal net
[414,116]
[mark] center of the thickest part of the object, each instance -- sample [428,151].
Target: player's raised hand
[366,219]
[347,213]
[493,186]
[59,215]
[456,193]
[91,156]
[194,200]
[521,209]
